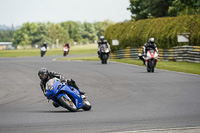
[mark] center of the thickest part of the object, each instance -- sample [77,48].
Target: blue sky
[18,12]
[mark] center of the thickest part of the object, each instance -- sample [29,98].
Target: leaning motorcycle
[66,96]
[151,60]
[65,51]
[43,50]
[104,53]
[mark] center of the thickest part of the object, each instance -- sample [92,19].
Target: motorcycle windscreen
[51,87]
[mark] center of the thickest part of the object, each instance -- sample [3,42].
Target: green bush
[164,30]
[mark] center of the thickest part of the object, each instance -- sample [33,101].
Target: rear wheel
[68,104]
[105,61]
[152,70]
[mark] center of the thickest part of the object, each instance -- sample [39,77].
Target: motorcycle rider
[45,75]
[148,46]
[102,41]
[67,45]
[44,45]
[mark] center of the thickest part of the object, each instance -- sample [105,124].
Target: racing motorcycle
[151,60]
[66,96]
[104,53]
[65,51]
[43,51]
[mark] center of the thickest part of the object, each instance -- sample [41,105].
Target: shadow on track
[59,111]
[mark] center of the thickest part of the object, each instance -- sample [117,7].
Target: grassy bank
[91,58]
[74,50]
[168,65]
[172,66]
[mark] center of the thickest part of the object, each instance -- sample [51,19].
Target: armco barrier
[178,53]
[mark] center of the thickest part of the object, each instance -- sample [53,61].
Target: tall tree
[6,35]
[139,9]
[89,32]
[74,30]
[43,34]
[56,31]
[159,8]
[102,26]
[143,9]
[26,34]
[184,7]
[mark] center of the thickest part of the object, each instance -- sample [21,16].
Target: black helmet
[43,73]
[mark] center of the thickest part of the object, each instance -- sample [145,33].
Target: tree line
[31,34]
[147,9]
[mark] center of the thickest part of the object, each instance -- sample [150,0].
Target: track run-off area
[125,98]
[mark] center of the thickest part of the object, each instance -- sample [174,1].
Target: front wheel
[68,104]
[87,105]
[152,66]
[148,68]
[64,54]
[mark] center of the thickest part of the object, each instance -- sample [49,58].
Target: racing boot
[55,105]
[76,87]
[81,92]
[98,54]
[141,58]
[73,84]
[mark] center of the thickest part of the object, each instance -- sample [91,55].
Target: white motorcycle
[151,60]
[43,51]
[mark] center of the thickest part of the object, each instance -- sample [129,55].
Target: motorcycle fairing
[151,54]
[55,87]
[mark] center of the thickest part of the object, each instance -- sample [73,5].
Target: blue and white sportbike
[66,96]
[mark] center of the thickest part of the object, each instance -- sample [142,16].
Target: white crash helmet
[151,40]
[101,37]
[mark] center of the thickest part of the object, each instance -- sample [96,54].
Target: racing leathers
[147,46]
[63,80]
[101,42]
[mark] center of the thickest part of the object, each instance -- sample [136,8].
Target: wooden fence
[178,53]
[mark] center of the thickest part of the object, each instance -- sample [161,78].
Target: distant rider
[148,46]
[44,45]
[67,45]
[45,76]
[102,41]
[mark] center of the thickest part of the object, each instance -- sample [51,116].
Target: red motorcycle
[66,51]
[151,60]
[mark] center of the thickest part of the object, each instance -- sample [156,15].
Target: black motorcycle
[104,53]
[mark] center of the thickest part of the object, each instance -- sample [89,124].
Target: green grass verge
[90,58]
[172,66]
[74,50]
[168,65]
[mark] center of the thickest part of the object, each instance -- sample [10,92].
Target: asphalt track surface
[124,98]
